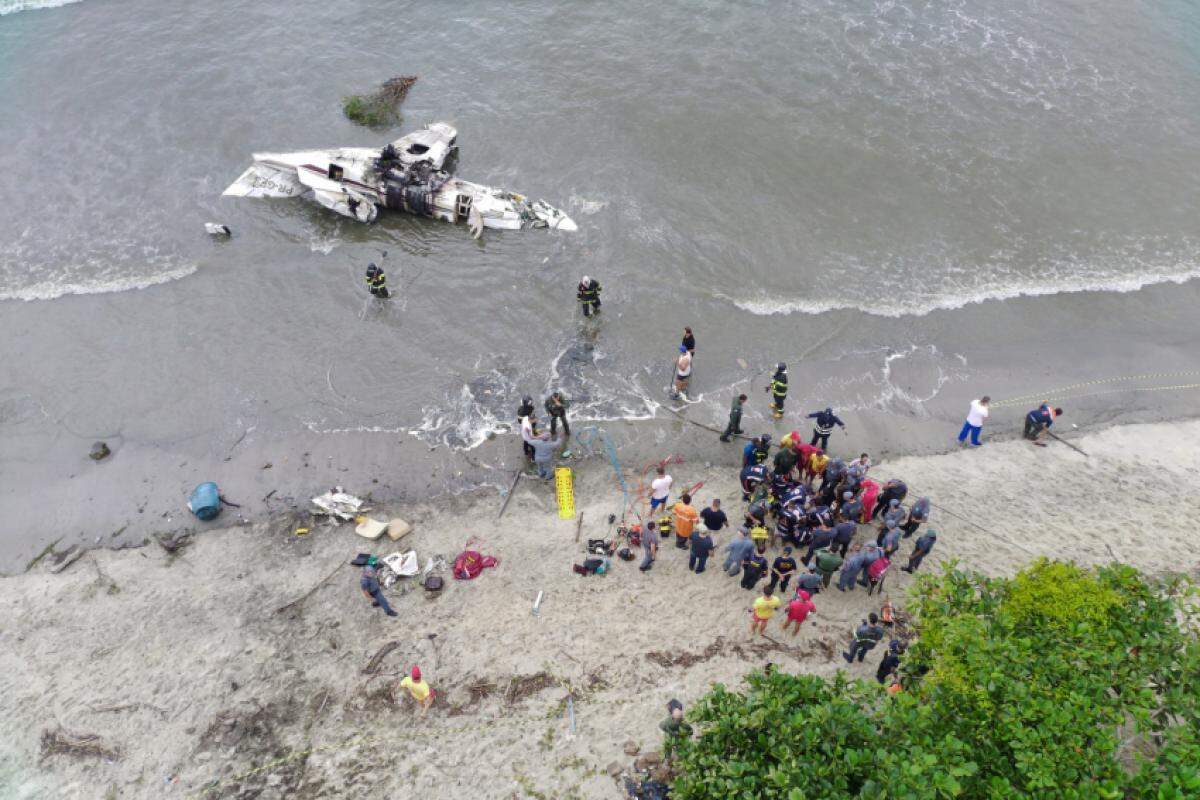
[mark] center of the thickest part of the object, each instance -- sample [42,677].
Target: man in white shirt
[660,489]
[974,423]
[528,434]
[683,371]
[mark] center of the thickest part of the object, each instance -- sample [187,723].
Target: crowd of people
[799,499]
[808,517]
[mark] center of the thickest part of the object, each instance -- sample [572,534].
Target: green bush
[370,110]
[1058,683]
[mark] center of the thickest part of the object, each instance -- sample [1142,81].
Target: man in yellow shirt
[764,609]
[418,689]
[817,463]
[685,520]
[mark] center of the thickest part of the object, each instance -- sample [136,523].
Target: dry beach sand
[196,687]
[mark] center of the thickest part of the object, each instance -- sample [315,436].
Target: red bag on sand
[470,563]
[878,569]
[870,493]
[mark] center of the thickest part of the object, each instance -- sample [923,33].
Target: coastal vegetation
[1059,682]
[381,107]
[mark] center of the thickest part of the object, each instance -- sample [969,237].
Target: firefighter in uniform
[589,296]
[376,281]
[778,389]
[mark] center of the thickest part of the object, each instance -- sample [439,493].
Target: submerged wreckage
[406,175]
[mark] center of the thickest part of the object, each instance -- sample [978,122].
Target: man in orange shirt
[685,520]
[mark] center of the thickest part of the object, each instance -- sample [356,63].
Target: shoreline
[182,664]
[254,475]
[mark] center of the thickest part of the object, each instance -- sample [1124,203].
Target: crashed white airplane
[406,175]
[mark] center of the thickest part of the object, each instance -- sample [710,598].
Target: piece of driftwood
[1068,444]
[507,497]
[373,665]
[60,561]
[310,592]
[79,745]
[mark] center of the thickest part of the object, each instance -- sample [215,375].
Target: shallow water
[904,200]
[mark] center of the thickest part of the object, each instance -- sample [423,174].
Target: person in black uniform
[778,389]
[526,410]
[588,294]
[377,281]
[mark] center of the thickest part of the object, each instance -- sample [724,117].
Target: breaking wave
[13,6]
[49,290]
[919,305]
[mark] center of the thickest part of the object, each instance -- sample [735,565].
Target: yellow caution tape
[1046,395]
[564,490]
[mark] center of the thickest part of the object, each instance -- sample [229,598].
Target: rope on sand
[974,524]
[706,427]
[585,439]
[1063,391]
[993,534]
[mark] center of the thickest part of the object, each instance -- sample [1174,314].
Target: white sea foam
[323,244]
[48,290]
[916,304]
[13,6]
[586,206]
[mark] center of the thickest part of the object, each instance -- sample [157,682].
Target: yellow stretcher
[564,491]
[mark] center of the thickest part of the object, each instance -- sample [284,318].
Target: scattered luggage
[470,563]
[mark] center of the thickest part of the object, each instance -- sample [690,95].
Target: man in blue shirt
[1038,422]
[825,420]
[752,476]
[369,583]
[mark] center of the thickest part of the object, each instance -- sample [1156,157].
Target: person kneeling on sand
[543,455]
[763,610]
[1038,422]
[418,689]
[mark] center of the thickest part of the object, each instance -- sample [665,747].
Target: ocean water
[904,200]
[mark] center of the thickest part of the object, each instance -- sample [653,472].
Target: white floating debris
[217,229]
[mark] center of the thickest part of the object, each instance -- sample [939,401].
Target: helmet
[586,280]
[527,400]
[781,367]
[372,267]
[765,438]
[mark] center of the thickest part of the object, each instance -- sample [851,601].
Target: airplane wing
[265,180]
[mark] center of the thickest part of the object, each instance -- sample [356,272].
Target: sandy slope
[183,666]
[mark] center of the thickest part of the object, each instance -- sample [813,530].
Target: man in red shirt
[798,611]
